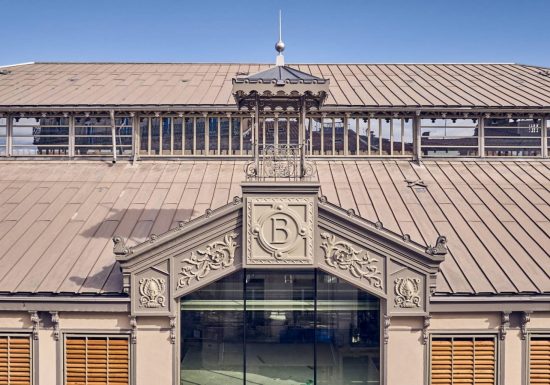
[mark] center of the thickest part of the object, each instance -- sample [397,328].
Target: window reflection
[280,327]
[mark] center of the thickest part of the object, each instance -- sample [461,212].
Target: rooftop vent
[544,72]
[5,72]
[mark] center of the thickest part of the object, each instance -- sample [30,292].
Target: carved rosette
[407,292]
[341,255]
[216,256]
[151,292]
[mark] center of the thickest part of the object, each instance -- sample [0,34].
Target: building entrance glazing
[280,327]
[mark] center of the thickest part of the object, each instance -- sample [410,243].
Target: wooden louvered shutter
[539,360]
[97,360]
[463,361]
[15,360]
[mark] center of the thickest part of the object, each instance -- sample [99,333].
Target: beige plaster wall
[47,352]
[154,354]
[15,320]
[405,352]
[464,321]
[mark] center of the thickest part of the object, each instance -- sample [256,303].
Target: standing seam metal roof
[354,85]
[57,218]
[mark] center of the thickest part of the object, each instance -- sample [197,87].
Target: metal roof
[278,74]
[458,86]
[57,218]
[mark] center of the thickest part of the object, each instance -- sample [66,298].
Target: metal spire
[280,46]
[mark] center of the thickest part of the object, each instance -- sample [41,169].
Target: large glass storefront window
[280,327]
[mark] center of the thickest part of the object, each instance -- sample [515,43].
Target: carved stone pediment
[279,225]
[279,230]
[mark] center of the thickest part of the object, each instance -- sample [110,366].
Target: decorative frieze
[343,256]
[407,292]
[216,256]
[152,292]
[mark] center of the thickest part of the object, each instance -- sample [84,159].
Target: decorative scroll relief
[407,292]
[341,255]
[151,292]
[279,231]
[216,256]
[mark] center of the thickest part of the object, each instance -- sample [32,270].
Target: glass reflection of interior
[280,327]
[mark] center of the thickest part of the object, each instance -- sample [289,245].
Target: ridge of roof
[271,64]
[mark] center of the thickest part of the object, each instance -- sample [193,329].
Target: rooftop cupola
[280,89]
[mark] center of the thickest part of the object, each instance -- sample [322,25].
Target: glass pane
[375,137]
[352,136]
[189,136]
[283,133]
[212,334]
[224,136]
[280,322]
[327,137]
[213,136]
[166,136]
[246,130]
[347,334]
[178,136]
[294,131]
[144,136]
[155,136]
[40,136]
[513,127]
[199,136]
[364,136]
[450,133]
[235,136]
[339,136]
[386,136]
[316,136]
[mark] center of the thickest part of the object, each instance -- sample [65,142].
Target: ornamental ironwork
[216,256]
[285,161]
[343,256]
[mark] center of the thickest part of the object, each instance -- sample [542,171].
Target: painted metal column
[113,134]
[255,134]
[302,131]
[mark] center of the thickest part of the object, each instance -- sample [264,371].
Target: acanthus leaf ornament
[407,292]
[217,255]
[342,255]
[152,292]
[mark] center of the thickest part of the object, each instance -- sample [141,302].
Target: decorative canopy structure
[280,88]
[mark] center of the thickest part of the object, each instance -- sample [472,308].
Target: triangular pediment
[279,226]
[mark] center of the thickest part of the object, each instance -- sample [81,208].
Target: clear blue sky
[246,30]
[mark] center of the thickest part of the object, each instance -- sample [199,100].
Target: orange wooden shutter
[462,361]
[15,360]
[539,360]
[97,360]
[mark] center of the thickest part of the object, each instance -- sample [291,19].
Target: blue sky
[246,30]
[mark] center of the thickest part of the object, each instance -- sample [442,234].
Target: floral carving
[152,292]
[342,255]
[407,292]
[217,255]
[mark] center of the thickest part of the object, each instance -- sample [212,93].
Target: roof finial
[280,46]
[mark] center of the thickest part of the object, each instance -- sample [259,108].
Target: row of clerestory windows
[95,135]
